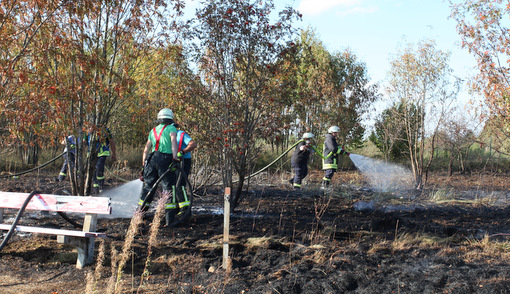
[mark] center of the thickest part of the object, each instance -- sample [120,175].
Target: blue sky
[375,29]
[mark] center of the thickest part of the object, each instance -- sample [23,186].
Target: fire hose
[278,158]
[35,168]
[187,190]
[18,217]
[272,162]
[20,214]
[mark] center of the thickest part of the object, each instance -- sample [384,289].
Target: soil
[285,241]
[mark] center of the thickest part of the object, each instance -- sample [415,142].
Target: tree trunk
[239,193]
[450,165]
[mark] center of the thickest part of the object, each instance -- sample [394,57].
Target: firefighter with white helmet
[299,160]
[161,150]
[331,152]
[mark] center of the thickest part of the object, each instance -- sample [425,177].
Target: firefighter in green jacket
[160,152]
[331,152]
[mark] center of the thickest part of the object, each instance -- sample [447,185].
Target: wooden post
[85,246]
[226,225]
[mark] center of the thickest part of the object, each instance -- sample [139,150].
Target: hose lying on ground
[35,168]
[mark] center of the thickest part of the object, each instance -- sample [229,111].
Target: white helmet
[307,136]
[165,113]
[333,129]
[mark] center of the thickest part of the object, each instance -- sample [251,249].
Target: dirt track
[286,242]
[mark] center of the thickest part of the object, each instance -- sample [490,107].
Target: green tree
[390,135]
[420,80]
[333,89]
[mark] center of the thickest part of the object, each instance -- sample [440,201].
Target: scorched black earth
[285,242]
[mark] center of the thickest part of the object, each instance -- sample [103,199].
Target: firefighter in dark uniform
[105,148]
[185,144]
[331,152]
[159,153]
[69,158]
[299,160]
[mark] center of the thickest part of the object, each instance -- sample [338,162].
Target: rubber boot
[324,184]
[170,217]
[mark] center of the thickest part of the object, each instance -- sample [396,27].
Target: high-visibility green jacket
[160,138]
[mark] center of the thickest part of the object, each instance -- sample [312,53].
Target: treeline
[238,76]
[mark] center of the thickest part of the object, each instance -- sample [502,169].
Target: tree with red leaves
[76,66]
[238,53]
[483,27]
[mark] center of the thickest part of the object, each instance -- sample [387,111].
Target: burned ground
[288,242]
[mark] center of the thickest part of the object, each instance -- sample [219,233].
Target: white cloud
[358,10]
[315,7]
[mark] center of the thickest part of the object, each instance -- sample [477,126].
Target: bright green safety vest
[160,138]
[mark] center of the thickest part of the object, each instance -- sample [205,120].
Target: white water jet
[383,176]
[124,199]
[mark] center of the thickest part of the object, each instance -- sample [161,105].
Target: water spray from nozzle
[383,176]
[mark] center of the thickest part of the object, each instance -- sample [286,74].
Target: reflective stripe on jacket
[330,153]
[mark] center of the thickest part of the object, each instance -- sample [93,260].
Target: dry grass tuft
[260,242]
[408,241]
[153,234]
[93,278]
[488,249]
[441,195]
[118,266]
[425,241]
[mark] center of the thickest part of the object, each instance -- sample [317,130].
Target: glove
[348,154]
[175,163]
[180,154]
[141,175]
